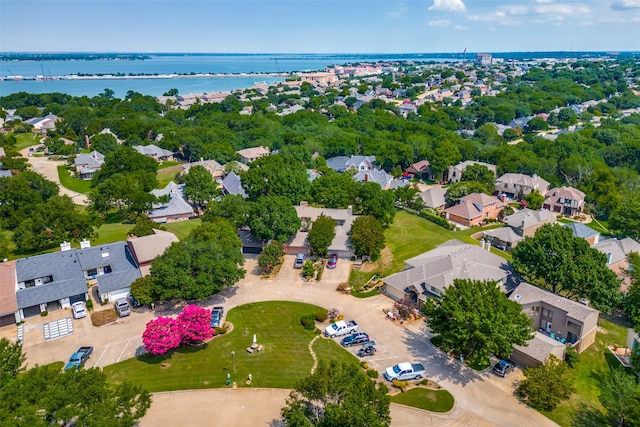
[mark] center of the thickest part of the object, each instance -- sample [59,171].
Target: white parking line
[100,358]
[123,349]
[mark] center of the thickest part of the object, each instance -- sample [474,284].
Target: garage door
[32,311]
[251,250]
[76,298]
[118,293]
[9,319]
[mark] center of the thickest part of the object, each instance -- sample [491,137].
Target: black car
[357,338]
[503,367]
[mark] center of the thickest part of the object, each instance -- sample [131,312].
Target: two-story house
[357,163]
[474,208]
[252,154]
[519,225]
[87,165]
[564,200]
[558,322]
[517,186]
[455,172]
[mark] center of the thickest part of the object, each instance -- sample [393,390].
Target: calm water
[175,63]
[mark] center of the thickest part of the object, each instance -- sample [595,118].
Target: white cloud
[542,12]
[625,4]
[439,23]
[544,1]
[448,5]
[399,12]
[562,9]
[460,27]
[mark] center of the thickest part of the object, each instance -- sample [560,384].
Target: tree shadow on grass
[586,416]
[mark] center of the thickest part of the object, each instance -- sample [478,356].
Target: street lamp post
[233,359]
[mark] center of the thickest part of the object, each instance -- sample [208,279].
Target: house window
[535,310]
[570,324]
[29,283]
[547,313]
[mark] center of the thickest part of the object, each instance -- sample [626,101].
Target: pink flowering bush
[161,335]
[195,324]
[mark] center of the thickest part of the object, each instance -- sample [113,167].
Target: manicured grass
[367,294]
[594,364]
[424,398]
[26,140]
[182,228]
[108,233]
[594,225]
[164,178]
[284,360]
[71,183]
[166,165]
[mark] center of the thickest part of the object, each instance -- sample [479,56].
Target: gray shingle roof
[527,218]
[116,255]
[93,160]
[152,150]
[616,249]
[528,294]
[117,280]
[233,185]
[434,197]
[540,347]
[581,230]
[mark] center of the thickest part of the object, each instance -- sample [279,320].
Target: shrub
[437,219]
[402,385]
[195,324]
[333,314]
[364,365]
[571,356]
[317,331]
[308,322]
[44,313]
[321,316]
[221,330]
[162,335]
[89,304]
[372,373]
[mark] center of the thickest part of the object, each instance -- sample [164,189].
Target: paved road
[49,168]
[482,399]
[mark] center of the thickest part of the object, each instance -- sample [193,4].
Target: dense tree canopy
[367,236]
[321,235]
[337,394]
[273,218]
[475,318]
[277,175]
[547,385]
[556,260]
[199,186]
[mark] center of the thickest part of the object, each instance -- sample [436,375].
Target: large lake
[228,64]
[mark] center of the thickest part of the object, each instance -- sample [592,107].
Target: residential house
[617,251]
[517,186]
[107,131]
[556,320]
[43,124]
[474,208]
[214,168]
[380,177]
[147,248]
[420,169]
[584,232]
[249,155]
[434,198]
[429,274]
[88,164]
[564,200]
[49,282]
[112,266]
[358,163]
[455,172]
[155,152]
[8,302]
[407,107]
[176,209]
[232,184]
[519,225]
[340,245]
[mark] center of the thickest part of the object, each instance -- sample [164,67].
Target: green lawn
[26,140]
[284,360]
[164,178]
[594,225]
[594,364]
[165,165]
[182,228]
[108,233]
[424,398]
[72,183]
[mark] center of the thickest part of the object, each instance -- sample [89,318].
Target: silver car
[122,307]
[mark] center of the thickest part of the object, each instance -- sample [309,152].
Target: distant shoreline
[143,76]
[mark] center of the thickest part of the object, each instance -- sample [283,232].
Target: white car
[79,310]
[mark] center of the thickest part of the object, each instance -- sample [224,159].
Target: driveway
[49,169]
[482,399]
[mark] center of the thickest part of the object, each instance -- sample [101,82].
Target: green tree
[536,124]
[338,394]
[127,160]
[475,318]
[334,190]
[534,200]
[277,175]
[201,265]
[232,207]
[460,189]
[273,218]
[308,270]
[547,385]
[632,297]
[199,186]
[367,236]
[321,234]
[143,290]
[444,155]
[626,218]
[480,173]
[11,361]
[45,396]
[618,393]
[270,257]
[566,265]
[104,143]
[144,226]
[373,200]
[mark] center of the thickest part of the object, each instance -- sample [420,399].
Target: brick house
[474,208]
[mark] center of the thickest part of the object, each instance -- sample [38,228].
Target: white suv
[122,307]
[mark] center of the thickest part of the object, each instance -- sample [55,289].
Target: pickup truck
[405,371]
[78,358]
[341,328]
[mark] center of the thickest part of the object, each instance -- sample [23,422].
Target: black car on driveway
[354,339]
[503,367]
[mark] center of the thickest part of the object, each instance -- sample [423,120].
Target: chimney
[85,244]
[65,246]
[304,204]
[350,210]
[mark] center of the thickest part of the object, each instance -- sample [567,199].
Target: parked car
[405,371]
[122,307]
[368,349]
[133,301]
[341,327]
[333,261]
[216,316]
[299,261]
[78,358]
[353,339]
[503,367]
[79,309]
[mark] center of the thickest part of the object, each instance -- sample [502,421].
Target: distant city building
[484,59]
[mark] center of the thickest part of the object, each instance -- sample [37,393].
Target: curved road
[49,169]
[482,399]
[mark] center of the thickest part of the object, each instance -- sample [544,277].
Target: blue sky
[314,26]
